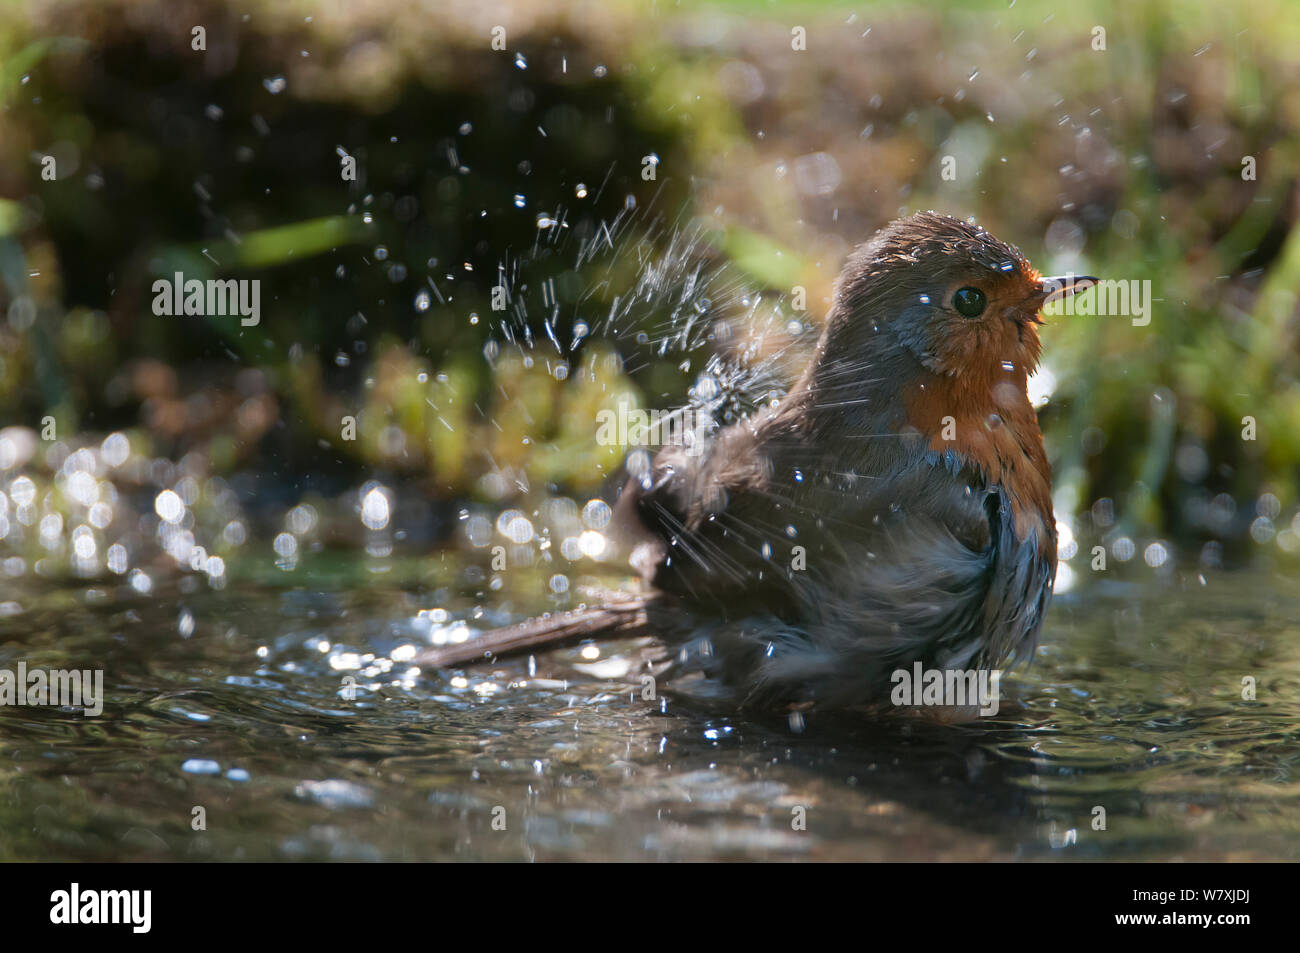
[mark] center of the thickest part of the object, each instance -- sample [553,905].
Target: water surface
[237,701]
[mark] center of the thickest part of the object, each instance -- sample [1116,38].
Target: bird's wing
[822,580]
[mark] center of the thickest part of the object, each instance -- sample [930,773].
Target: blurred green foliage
[477,164]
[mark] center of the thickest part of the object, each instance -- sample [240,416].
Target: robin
[894,508]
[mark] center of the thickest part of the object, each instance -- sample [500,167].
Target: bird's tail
[623,618]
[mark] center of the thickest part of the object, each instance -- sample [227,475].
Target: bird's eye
[969,302]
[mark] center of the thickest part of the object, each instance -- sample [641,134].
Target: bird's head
[949,293]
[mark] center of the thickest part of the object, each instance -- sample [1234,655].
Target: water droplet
[168,505]
[375,508]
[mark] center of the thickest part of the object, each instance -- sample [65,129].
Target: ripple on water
[1135,707]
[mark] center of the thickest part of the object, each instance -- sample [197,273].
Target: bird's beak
[1054,289]
[1057,289]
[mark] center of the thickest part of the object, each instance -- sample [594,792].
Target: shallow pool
[268,721]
